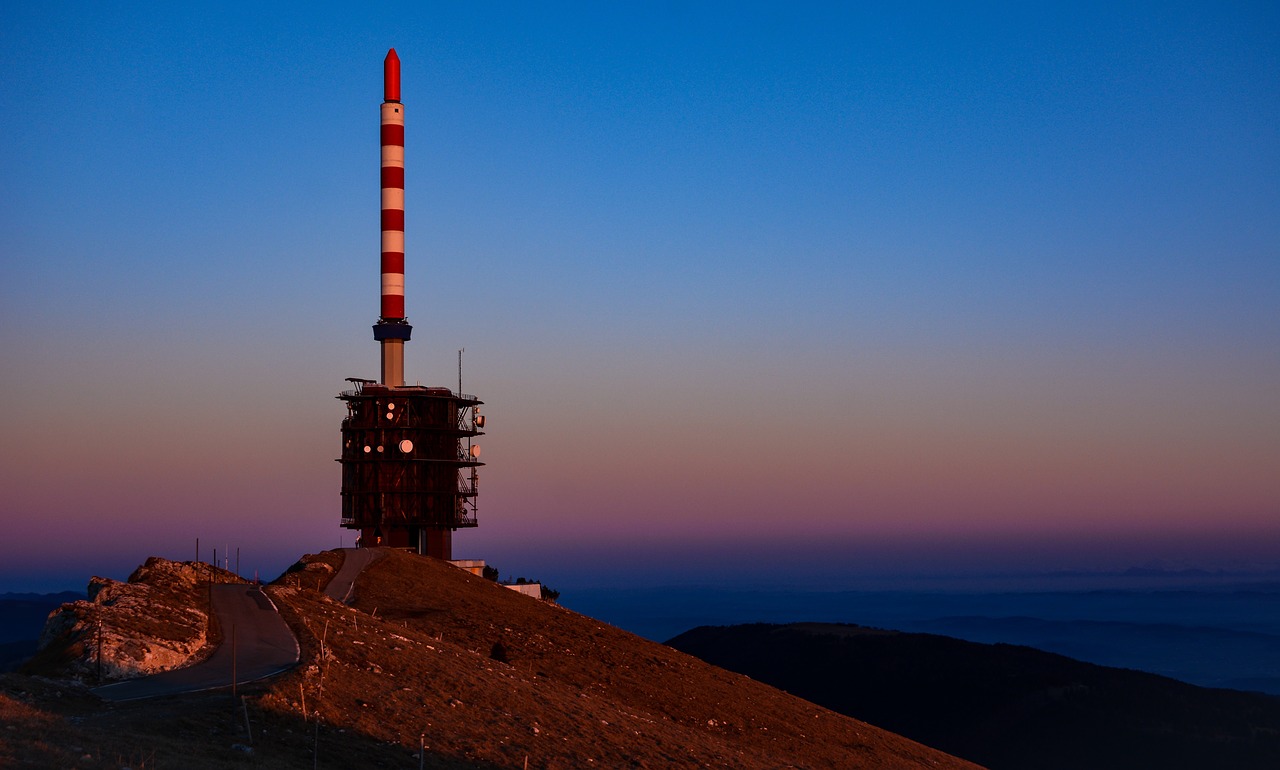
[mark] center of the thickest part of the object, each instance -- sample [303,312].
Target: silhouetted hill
[1243,660]
[429,654]
[1003,706]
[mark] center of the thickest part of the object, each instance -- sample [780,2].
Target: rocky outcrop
[156,621]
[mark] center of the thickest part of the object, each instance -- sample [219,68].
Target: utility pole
[99,649]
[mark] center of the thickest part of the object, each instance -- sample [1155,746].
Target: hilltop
[430,654]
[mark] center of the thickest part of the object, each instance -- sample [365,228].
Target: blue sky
[973,286]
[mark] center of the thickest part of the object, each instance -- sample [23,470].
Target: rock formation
[156,621]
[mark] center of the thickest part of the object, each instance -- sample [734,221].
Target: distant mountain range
[1207,632]
[1202,655]
[1197,572]
[22,617]
[1003,706]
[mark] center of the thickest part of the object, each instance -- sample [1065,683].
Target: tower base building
[409,468]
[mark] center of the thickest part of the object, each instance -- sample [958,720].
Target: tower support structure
[410,469]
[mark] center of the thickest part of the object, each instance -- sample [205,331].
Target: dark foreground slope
[1001,705]
[482,676]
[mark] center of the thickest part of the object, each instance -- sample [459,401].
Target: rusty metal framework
[409,474]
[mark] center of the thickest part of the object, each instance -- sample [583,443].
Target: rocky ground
[476,675]
[156,621]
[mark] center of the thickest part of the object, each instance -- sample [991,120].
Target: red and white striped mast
[392,329]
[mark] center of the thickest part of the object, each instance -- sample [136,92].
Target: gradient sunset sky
[779,291]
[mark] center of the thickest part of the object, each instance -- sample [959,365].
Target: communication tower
[409,465]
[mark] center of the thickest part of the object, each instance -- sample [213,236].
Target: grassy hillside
[481,676]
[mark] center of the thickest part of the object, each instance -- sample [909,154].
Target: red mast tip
[391,77]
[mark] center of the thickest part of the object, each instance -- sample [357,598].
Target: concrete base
[437,543]
[474,566]
[528,589]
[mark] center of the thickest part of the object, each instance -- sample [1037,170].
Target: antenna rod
[392,329]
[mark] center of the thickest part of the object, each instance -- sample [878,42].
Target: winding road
[256,643]
[343,585]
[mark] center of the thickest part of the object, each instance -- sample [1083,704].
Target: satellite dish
[480,420]
[475,451]
[379,447]
[406,446]
[391,405]
[391,415]
[368,448]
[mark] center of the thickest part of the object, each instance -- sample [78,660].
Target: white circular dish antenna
[379,447]
[391,406]
[368,448]
[475,451]
[406,446]
[391,415]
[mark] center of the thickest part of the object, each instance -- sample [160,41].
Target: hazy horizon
[750,291]
[818,571]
